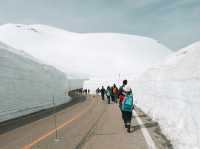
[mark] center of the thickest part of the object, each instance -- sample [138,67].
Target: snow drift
[101,55]
[28,86]
[96,54]
[170,93]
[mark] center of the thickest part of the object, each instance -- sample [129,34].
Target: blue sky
[175,23]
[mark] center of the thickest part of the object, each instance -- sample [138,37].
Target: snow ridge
[170,94]
[68,51]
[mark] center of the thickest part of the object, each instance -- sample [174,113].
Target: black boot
[126,126]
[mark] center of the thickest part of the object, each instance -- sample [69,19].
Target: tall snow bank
[96,54]
[170,93]
[26,85]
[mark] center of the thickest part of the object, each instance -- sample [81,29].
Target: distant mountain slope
[97,54]
[170,93]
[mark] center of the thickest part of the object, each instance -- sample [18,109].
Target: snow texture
[27,86]
[170,93]
[101,55]
[96,54]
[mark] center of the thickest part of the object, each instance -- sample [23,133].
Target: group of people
[124,97]
[84,91]
[111,93]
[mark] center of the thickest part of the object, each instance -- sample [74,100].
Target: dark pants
[127,116]
[102,96]
[113,98]
[108,98]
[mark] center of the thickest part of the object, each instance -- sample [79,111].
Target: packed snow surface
[170,93]
[96,54]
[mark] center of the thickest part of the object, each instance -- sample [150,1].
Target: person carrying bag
[127,107]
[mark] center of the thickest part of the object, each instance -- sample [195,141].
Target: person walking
[102,92]
[108,94]
[114,93]
[97,91]
[127,107]
[122,93]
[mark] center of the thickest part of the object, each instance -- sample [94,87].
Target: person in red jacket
[114,93]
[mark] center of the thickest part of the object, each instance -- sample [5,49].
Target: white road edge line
[148,138]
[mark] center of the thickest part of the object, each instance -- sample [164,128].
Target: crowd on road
[82,91]
[122,96]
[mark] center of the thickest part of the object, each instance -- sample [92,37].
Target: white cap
[127,89]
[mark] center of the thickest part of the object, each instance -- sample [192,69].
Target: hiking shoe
[128,128]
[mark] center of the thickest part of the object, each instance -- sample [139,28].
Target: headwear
[127,89]
[125,82]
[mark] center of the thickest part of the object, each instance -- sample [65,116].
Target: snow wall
[27,86]
[170,93]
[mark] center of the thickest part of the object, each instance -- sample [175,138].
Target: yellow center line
[47,134]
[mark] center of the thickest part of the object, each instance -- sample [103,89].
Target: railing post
[55,118]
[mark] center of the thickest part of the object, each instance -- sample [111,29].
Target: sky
[174,23]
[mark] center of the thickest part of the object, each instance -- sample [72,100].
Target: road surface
[91,124]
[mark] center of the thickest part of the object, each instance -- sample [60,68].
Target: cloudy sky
[175,23]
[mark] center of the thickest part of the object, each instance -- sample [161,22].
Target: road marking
[148,138]
[46,135]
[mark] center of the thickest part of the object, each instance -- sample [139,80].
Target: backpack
[107,92]
[127,104]
[114,90]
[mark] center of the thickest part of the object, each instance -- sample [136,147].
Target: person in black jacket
[103,91]
[108,94]
[122,93]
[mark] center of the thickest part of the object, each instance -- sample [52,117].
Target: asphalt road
[91,124]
